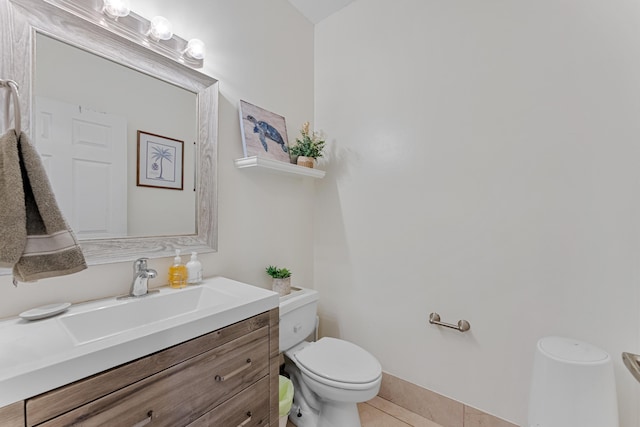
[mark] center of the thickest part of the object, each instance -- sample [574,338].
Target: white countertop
[40,355]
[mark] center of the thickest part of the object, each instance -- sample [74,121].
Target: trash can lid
[571,350]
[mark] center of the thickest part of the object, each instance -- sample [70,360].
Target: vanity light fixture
[116,8]
[195,49]
[160,29]
[137,28]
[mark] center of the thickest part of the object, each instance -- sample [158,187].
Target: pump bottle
[194,270]
[178,272]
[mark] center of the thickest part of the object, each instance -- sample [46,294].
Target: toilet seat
[338,363]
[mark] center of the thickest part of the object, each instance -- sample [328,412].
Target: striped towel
[44,244]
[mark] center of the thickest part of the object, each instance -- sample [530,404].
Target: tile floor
[379,412]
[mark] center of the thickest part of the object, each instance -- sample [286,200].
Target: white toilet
[330,376]
[572,385]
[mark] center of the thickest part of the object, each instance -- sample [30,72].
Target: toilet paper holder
[462,326]
[632,362]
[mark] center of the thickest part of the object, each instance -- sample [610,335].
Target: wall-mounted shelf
[277,166]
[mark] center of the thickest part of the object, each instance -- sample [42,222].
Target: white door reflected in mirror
[85,159]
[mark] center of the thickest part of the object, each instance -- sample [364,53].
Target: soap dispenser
[194,270]
[178,272]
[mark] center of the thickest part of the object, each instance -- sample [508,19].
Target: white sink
[38,356]
[102,322]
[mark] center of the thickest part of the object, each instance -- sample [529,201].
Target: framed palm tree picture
[160,161]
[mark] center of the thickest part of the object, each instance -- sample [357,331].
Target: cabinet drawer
[249,408]
[178,395]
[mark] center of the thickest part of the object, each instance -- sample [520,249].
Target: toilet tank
[298,312]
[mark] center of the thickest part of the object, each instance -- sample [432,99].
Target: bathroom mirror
[27,24]
[88,139]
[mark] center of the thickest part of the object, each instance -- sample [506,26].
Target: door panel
[85,155]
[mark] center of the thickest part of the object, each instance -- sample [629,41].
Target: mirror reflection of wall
[107,92]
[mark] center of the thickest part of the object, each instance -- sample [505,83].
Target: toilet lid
[340,361]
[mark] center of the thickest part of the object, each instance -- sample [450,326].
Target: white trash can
[572,385]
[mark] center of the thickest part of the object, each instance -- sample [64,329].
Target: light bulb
[195,49]
[160,29]
[116,8]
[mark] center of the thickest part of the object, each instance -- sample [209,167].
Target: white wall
[263,218]
[483,164]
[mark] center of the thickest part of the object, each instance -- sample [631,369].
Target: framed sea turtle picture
[264,134]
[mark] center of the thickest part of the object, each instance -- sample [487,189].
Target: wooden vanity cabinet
[225,378]
[12,415]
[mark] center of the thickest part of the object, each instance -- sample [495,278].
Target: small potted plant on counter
[309,148]
[281,279]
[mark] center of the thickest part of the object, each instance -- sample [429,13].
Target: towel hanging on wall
[35,239]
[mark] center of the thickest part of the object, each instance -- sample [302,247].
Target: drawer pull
[232,374]
[145,421]
[247,421]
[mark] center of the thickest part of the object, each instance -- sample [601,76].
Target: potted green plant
[281,279]
[309,148]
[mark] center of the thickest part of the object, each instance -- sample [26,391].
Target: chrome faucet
[141,276]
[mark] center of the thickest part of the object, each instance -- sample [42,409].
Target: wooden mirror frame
[20,20]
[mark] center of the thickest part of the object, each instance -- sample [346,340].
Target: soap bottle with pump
[194,270]
[178,272]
